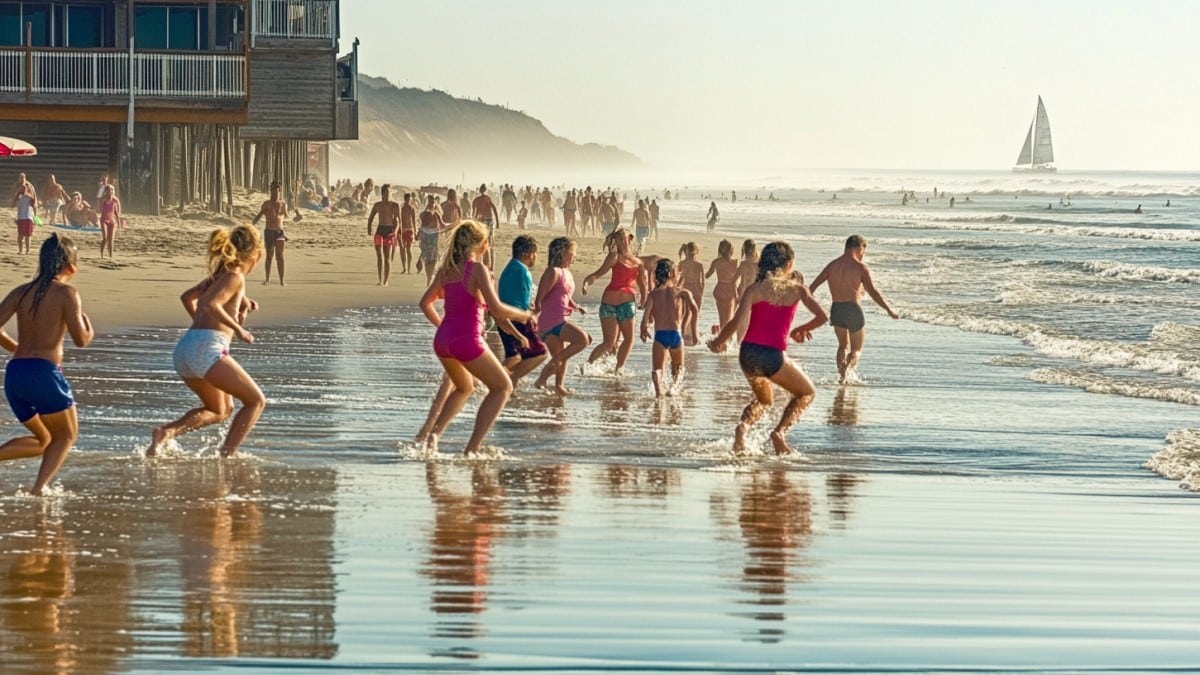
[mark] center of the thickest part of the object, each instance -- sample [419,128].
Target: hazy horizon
[930,84]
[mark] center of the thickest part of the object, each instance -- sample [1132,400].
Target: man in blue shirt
[516,289]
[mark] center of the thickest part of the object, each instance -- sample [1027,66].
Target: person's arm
[712,269]
[821,278]
[804,333]
[643,294]
[604,268]
[117,210]
[78,324]
[223,289]
[693,311]
[262,211]
[647,318]
[248,305]
[6,342]
[869,285]
[431,295]
[371,217]
[717,344]
[191,297]
[482,278]
[8,307]
[549,277]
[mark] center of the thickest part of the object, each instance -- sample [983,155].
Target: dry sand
[330,265]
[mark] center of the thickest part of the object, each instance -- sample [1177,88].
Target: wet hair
[451,194]
[228,248]
[725,249]
[689,248]
[386,188]
[749,248]
[855,241]
[558,250]
[613,238]
[775,257]
[56,254]
[468,236]
[274,185]
[524,245]
[662,271]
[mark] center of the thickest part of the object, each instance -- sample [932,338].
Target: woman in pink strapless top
[621,298]
[554,302]
[767,307]
[468,291]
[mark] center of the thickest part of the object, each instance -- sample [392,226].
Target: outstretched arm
[604,268]
[742,312]
[821,278]
[693,311]
[647,318]
[803,333]
[869,286]
[431,296]
[482,279]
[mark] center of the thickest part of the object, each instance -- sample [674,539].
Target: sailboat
[1038,152]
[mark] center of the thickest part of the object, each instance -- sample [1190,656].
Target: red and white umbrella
[15,147]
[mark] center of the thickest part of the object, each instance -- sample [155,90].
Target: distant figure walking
[1138,209]
[713,216]
[110,217]
[384,236]
[274,210]
[848,276]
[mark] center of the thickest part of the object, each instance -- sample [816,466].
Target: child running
[725,292]
[618,305]
[469,292]
[665,307]
[516,289]
[37,392]
[747,272]
[769,305]
[691,277]
[218,306]
[554,305]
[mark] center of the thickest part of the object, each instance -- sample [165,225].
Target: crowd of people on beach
[65,208]
[757,298]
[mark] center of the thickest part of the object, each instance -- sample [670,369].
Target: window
[150,28]
[10,24]
[174,27]
[38,16]
[84,27]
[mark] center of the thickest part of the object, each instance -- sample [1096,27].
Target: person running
[747,273]
[522,214]
[725,292]
[516,289]
[554,305]
[484,210]
[451,209]
[691,277]
[274,210]
[468,291]
[26,202]
[666,306]
[641,223]
[385,232]
[848,277]
[655,210]
[218,307]
[47,308]
[110,217]
[54,195]
[769,304]
[620,300]
[713,216]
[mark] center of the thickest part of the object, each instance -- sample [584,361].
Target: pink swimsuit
[770,325]
[556,306]
[460,335]
[624,279]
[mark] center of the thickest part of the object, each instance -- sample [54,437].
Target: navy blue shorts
[513,348]
[669,339]
[36,387]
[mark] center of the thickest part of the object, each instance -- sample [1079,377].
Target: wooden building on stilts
[179,101]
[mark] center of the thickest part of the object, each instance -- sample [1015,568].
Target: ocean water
[992,496]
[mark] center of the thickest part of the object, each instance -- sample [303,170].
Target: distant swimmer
[1138,209]
[952,202]
[1168,202]
[848,277]
[713,216]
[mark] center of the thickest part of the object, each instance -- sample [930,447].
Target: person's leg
[856,345]
[792,379]
[24,447]
[279,246]
[464,385]
[269,255]
[228,376]
[676,370]
[63,427]
[435,408]
[405,256]
[608,339]
[626,327]
[658,355]
[215,407]
[843,349]
[488,370]
[576,340]
[554,345]
[525,366]
[763,398]
[379,257]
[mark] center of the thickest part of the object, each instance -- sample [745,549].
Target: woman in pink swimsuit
[555,303]
[110,217]
[469,292]
[768,306]
[623,295]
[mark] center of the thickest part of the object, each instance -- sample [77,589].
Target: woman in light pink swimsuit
[110,217]
[768,307]
[469,292]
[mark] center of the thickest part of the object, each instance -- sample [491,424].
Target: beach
[979,502]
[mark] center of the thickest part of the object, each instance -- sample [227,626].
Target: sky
[919,84]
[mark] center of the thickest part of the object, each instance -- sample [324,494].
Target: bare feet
[267,282]
[157,438]
[431,443]
[739,439]
[780,443]
[228,452]
[563,391]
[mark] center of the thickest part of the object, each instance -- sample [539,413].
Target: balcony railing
[106,73]
[295,19]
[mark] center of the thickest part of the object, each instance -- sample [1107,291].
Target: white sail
[1026,155]
[1043,150]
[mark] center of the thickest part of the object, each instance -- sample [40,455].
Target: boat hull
[1035,169]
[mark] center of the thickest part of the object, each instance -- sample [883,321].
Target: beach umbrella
[15,147]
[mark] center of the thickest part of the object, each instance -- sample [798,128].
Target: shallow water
[967,506]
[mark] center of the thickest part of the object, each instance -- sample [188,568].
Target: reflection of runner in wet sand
[848,276]
[770,302]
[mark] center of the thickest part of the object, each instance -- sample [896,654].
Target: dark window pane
[229,25]
[10,24]
[151,28]
[182,26]
[85,27]
[39,16]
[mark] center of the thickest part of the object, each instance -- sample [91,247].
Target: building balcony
[294,23]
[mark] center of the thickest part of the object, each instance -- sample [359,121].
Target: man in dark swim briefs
[484,210]
[848,277]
